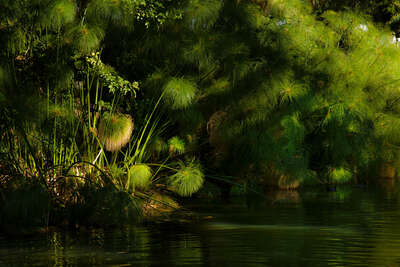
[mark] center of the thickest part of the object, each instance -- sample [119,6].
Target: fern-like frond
[155,81]
[387,127]
[176,146]
[158,145]
[293,128]
[139,176]
[85,38]
[190,120]
[218,87]
[199,54]
[254,16]
[335,114]
[119,12]
[115,130]
[179,93]
[290,91]
[202,14]
[187,180]
[61,13]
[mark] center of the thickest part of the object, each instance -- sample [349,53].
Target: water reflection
[349,227]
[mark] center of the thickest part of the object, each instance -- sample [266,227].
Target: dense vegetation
[109,107]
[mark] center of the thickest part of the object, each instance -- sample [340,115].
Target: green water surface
[354,226]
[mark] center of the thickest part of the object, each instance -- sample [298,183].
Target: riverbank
[30,211]
[318,228]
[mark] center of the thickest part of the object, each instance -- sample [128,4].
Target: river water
[350,227]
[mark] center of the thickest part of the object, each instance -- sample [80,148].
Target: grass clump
[115,130]
[179,93]
[187,180]
[139,176]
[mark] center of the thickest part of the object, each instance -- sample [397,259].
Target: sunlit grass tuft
[139,176]
[115,130]
[179,93]
[187,180]
[176,145]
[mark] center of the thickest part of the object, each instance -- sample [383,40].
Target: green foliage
[285,88]
[139,176]
[387,128]
[109,77]
[293,129]
[300,90]
[176,145]
[26,206]
[104,205]
[124,13]
[179,93]
[202,13]
[61,13]
[119,11]
[187,180]
[158,12]
[86,39]
[60,105]
[158,145]
[115,130]
[381,11]
[339,175]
